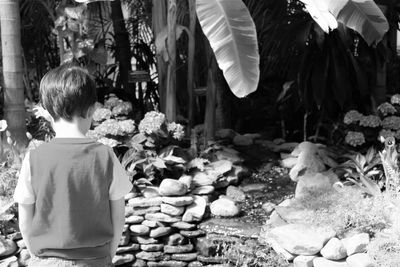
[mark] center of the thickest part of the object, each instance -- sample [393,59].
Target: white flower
[352,116]
[151,122]
[112,101]
[3,125]
[386,133]
[122,108]
[93,134]
[126,126]
[395,99]
[355,138]
[392,122]
[176,129]
[39,111]
[370,121]
[108,141]
[109,126]
[101,114]
[386,108]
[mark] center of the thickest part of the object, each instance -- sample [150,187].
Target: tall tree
[14,108]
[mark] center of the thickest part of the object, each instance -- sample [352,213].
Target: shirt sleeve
[23,193]
[120,184]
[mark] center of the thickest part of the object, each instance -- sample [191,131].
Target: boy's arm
[118,220]
[25,216]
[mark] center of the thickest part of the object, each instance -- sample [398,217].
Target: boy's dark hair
[67,91]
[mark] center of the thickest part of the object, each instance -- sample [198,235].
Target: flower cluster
[101,114]
[352,116]
[122,108]
[116,128]
[386,109]
[151,122]
[370,121]
[127,126]
[108,141]
[176,130]
[355,138]
[395,99]
[112,101]
[392,122]
[386,133]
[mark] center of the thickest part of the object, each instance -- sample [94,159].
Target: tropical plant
[364,171]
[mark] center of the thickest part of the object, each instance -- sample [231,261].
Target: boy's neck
[69,129]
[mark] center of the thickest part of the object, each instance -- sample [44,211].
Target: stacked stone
[315,246]
[162,225]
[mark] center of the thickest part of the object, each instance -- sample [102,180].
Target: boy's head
[67,91]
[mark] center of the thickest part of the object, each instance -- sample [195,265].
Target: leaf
[371,186]
[233,38]
[321,15]
[138,138]
[159,163]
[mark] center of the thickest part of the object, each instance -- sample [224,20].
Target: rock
[225,134]
[178,201]
[131,247]
[171,187]
[195,264]
[160,231]
[203,190]
[187,180]
[144,240]
[313,182]
[303,261]
[176,239]
[178,249]
[308,160]
[172,210]
[211,260]
[228,155]
[195,211]
[131,195]
[145,202]
[221,167]
[184,225]
[24,257]
[9,262]
[202,178]
[15,236]
[168,263]
[143,211]
[232,228]
[360,260]
[301,239]
[356,244]
[124,239]
[292,214]
[268,207]
[161,217]
[289,162]
[7,247]
[242,140]
[150,192]
[235,193]
[139,229]
[253,187]
[224,207]
[149,256]
[152,247]
[286,203]
[184,256]
[139,263]
[322,262]
[122,259]
[20,244]
[334,250]
[279,249]
[134,219]
[150,224]
[192,234]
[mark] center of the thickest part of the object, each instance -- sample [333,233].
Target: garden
[255,133]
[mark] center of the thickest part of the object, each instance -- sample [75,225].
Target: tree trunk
[159,13]
[211,95]
[14,107]
[170,109]
[190,80]
[122,46]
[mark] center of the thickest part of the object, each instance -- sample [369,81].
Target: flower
[355,138]
[122,108]
[108,141]
[386,133]
[352,116]
[93,134]
[126,126]
[176,130]
[112,101]
[392,122]
[395,99]
[3,125]
[101,114]
[151,122]
[370,121]
[109,126]
[386,108]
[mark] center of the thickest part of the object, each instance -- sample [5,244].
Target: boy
[70,191]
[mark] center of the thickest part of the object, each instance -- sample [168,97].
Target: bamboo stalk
[170,109]
[192,45]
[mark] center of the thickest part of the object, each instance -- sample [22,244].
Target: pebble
[160,231]
[176,239]
[172,210]
[192,234]
[123,259]
[152,247]
[134,219]
[184,256]
[235,193]
[145,202]
[124,239]
[150,192]
[150,224]
[224,207]
[144,240]
[356,244]
[139,263]
[202,179]
[184,225]
[24,257]
[178,249]
[196,210]
[303,261]
[187,180]
[253,187]
[203,190]
[149,256]
[171,187]
[334,250]
[195,264]
[139,229]
[360,260]
[161,217]
[178,201]
[131,247]
[20,244]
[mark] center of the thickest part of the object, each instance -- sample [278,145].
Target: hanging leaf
[363,16]
[233,38]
